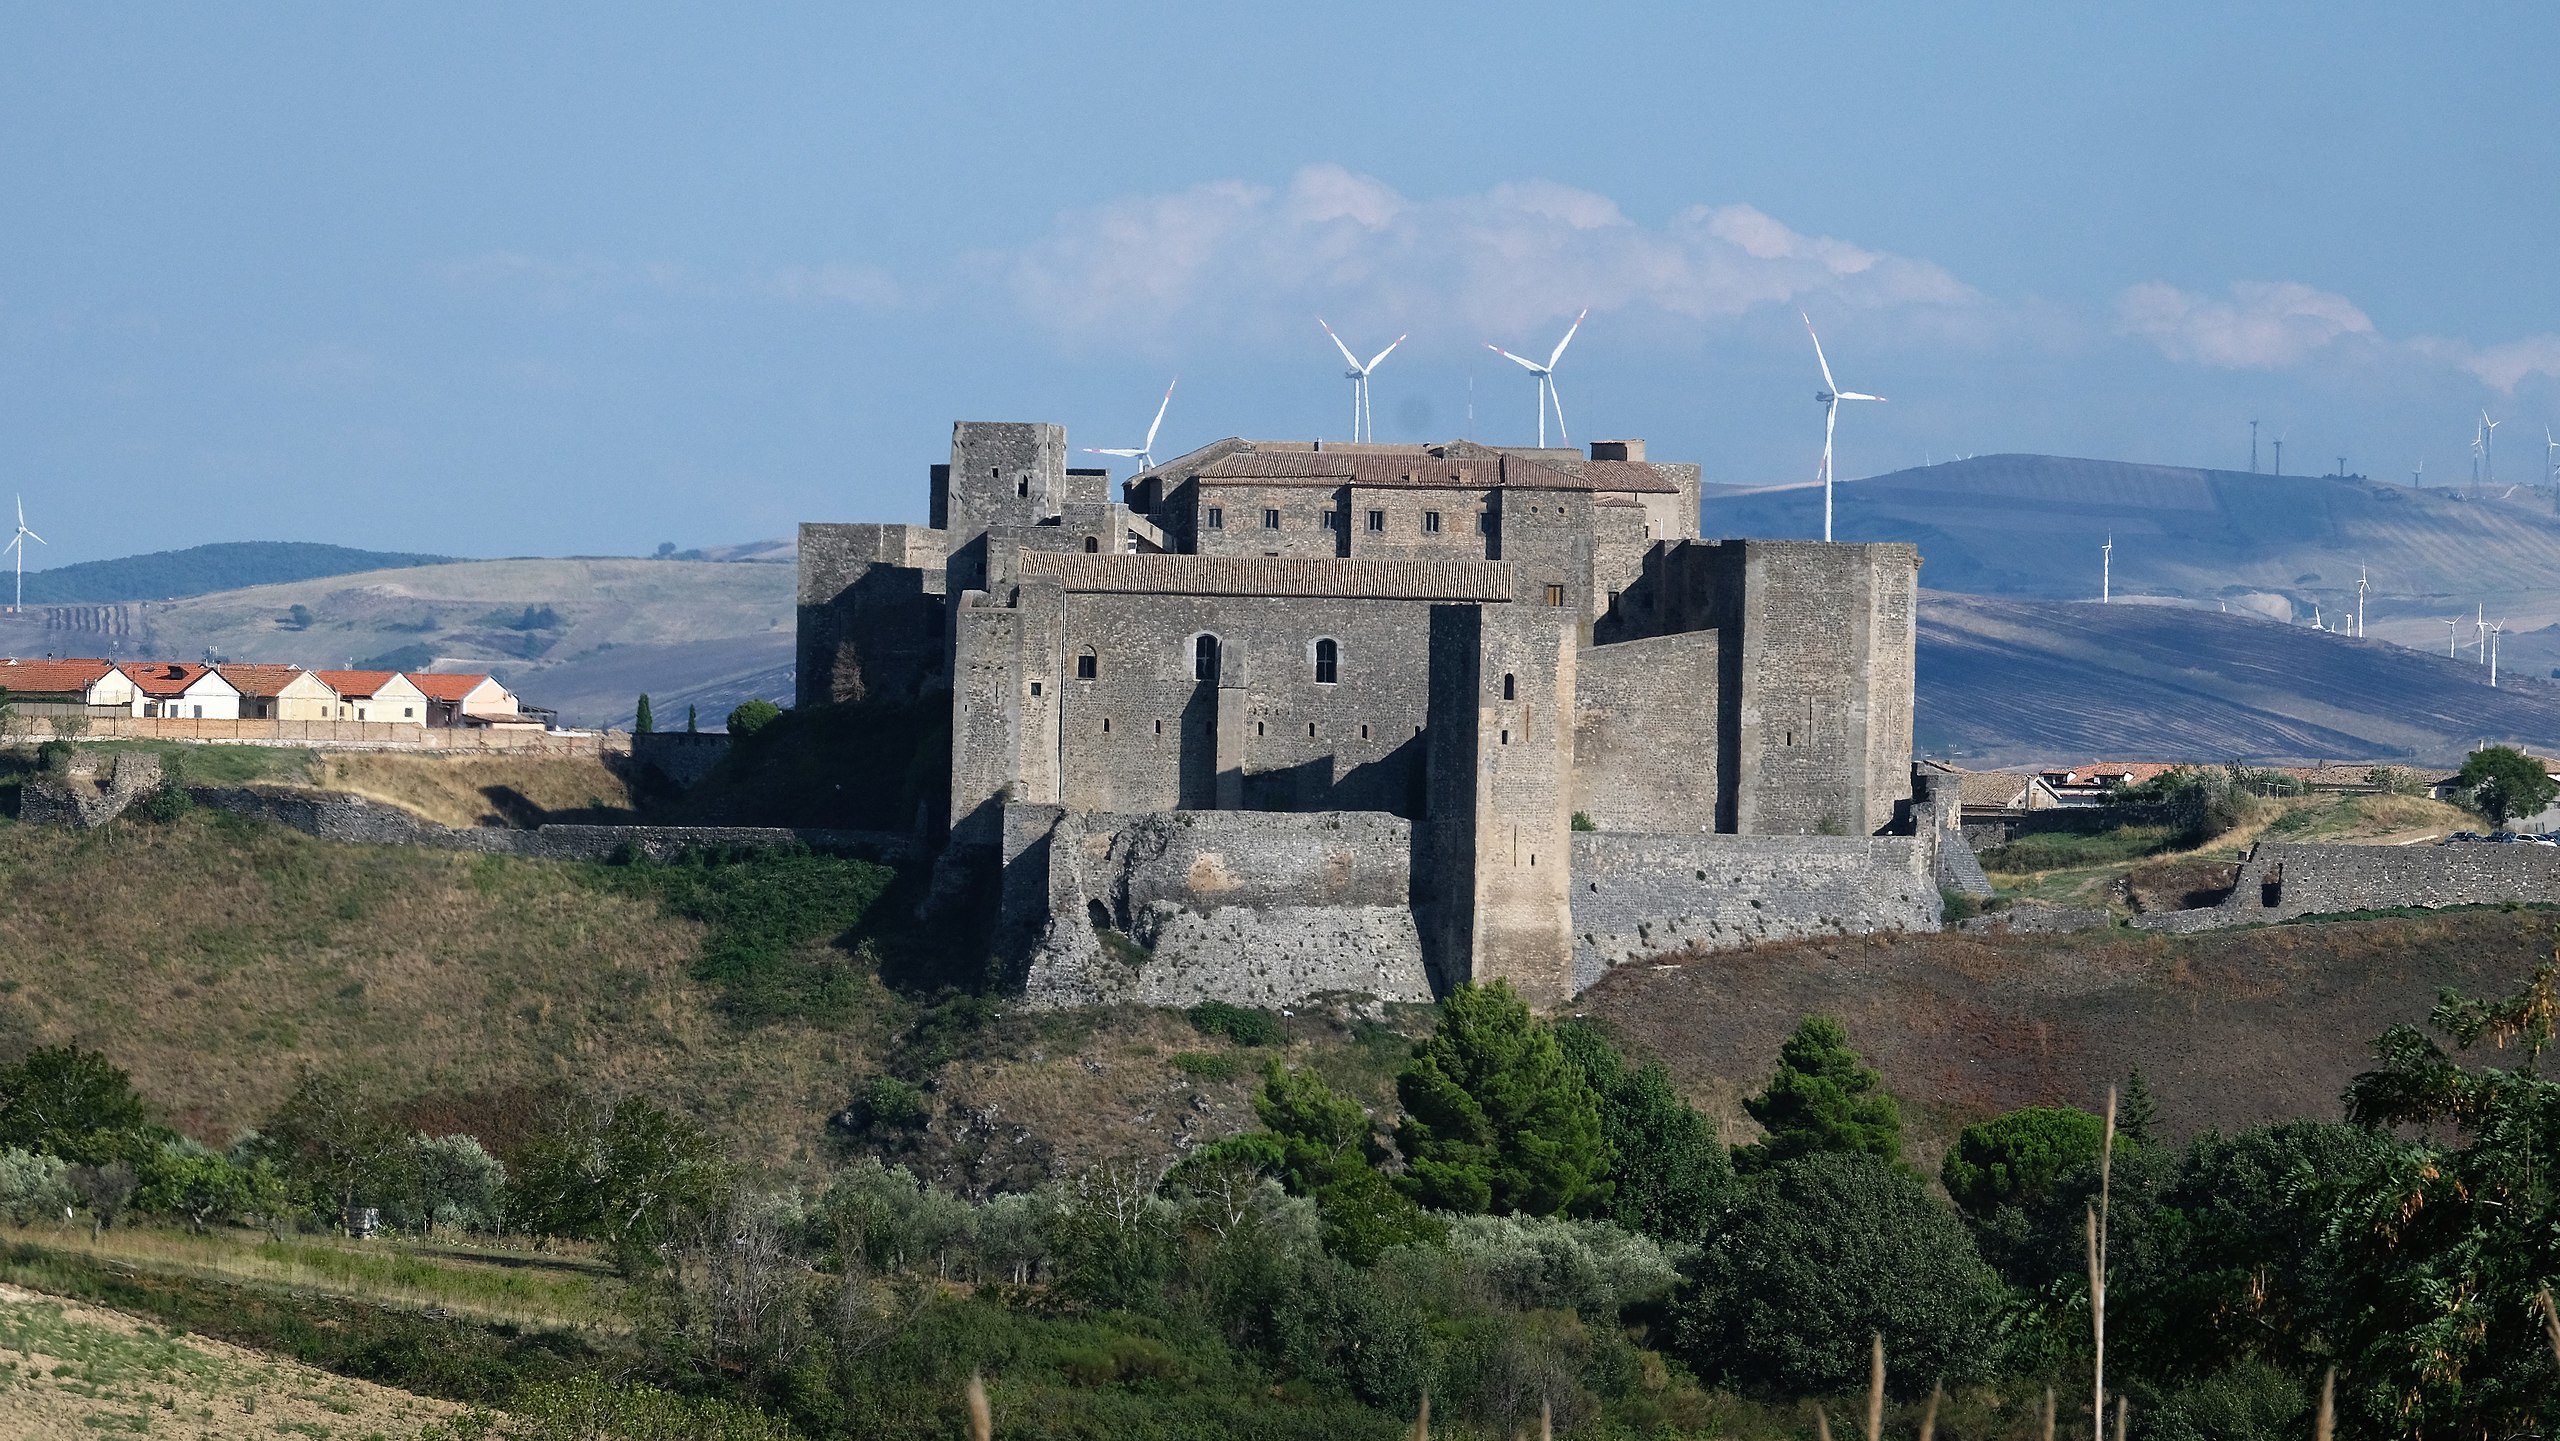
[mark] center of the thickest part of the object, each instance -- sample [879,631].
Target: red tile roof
[259,680]
[164,677]
[451,689]
[357,684]
[52,677]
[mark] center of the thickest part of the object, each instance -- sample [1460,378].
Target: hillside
[201,569]
[2030,526]
[2011,681]
[580,636]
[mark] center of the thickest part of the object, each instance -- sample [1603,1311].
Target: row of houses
[224,691]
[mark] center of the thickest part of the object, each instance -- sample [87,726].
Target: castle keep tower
[1292,718]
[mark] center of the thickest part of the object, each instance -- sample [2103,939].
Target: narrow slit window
[1106,725]
[1204,658]
[1328,662]
[1510,686]
[1311,730]
[1217,518]
[1159,727]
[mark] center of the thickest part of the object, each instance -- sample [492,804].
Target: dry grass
[69,1370]
[212,958]
[522,1288]
[478,790]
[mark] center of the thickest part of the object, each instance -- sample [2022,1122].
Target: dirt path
[72,1370]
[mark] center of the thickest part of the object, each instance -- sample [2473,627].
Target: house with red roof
[53,687]
[470,700]
[280,692]
[376,695]
[181,690]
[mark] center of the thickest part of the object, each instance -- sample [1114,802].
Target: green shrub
[753,716]
[1244,1025]
[167,802]
[1823,1097]
[1206,1066]
[2014,1159]
[762,909]
[1496,1117]
[885,1104]
[2062,850]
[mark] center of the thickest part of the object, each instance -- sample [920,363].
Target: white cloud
[2265,325]
[1230,256]
[2504,367]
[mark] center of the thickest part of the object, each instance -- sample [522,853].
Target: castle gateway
[1293,718]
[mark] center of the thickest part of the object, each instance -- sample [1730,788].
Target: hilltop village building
[1288,718]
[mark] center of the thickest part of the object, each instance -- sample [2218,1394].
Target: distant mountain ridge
[205,569]
[2031,526]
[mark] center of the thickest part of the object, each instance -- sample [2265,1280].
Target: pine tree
[1823,1097]
[692,721]
[2136,1112]
[1668,1170]
[644,722]
[1496,1118]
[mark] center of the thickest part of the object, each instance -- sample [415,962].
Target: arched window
[1510,687]
[1328,662]
[1092,544]
[1088,665]
[1204,659]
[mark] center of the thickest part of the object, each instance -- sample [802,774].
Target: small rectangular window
[1555,595]
[1087,666]
[1613,602]
[1377,521]
[1431,522]
[1484,523]
[1035,687]
[1216,519]
[1270,520]
[1333,520]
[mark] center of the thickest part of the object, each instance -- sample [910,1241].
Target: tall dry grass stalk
[2122,1406]
[2327,1421]
[2048,1413]
[1422,1419]
[1546,1420]
[1821,1424]
[982,1422]
[1929,1418]
[2098,1274]
[2550,1320]
[1875,1389]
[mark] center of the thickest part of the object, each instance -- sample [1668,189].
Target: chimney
[1617,450]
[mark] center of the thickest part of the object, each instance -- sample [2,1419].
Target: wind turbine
[2360,585]
[18,543]
[1546,379]
[2418,477]
[1144,455]
[2452,628]
[2488,454]
[2106,568]
[2496,627]
[1829,398]
[2480,621]
[2551,452]
[2279,455]
[1358,374]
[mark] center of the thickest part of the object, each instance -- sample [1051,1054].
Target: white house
[52,687]
[376,695]
[280,692]
[178,690]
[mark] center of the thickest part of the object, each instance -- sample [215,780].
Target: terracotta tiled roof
[357,684]
[451,689]
[164,677]
[260,680]
[1995,790]
[51,677]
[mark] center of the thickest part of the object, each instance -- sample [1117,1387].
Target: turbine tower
[1144,455]
[2452,628]
[2279,455]
[2360,586]
[2488,451]
[2107,569]
[2480,623]
[18,543]
[2551,452]
[1829,398]
[2495,628]
[1358,374]
[1546,378]
[2253,447]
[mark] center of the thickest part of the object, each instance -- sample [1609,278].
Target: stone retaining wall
[342,735]
[338,817]
[1638,895]
[2282,880]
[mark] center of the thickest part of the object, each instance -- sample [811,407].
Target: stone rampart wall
[680,757]
[1637,895]
[2282,880]
[338,817]
[1253,908]
[344,735]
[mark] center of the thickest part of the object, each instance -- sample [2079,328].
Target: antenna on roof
[18,543]
[1358,374]
[1546,379]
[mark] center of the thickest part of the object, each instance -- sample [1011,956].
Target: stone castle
[1291,718]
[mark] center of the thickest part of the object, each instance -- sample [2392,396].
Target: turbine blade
[40,540]
[1531,366]
[1558,402]
[1348,358]
[1568,338]
[1818,358]
[1383,354]
[1854,395]
[1160,409]
[1126,454]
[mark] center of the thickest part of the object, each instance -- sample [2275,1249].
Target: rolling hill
[2030,526]
[203,569]
[2009,681]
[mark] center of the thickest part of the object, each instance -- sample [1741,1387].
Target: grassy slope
[200,569]
[213,958]
[2063,869]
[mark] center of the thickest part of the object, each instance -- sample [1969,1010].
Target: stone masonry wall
[2282,880]
[338,817]
[1637,895]
[1250,908]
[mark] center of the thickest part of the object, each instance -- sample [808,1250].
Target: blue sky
[514,279]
